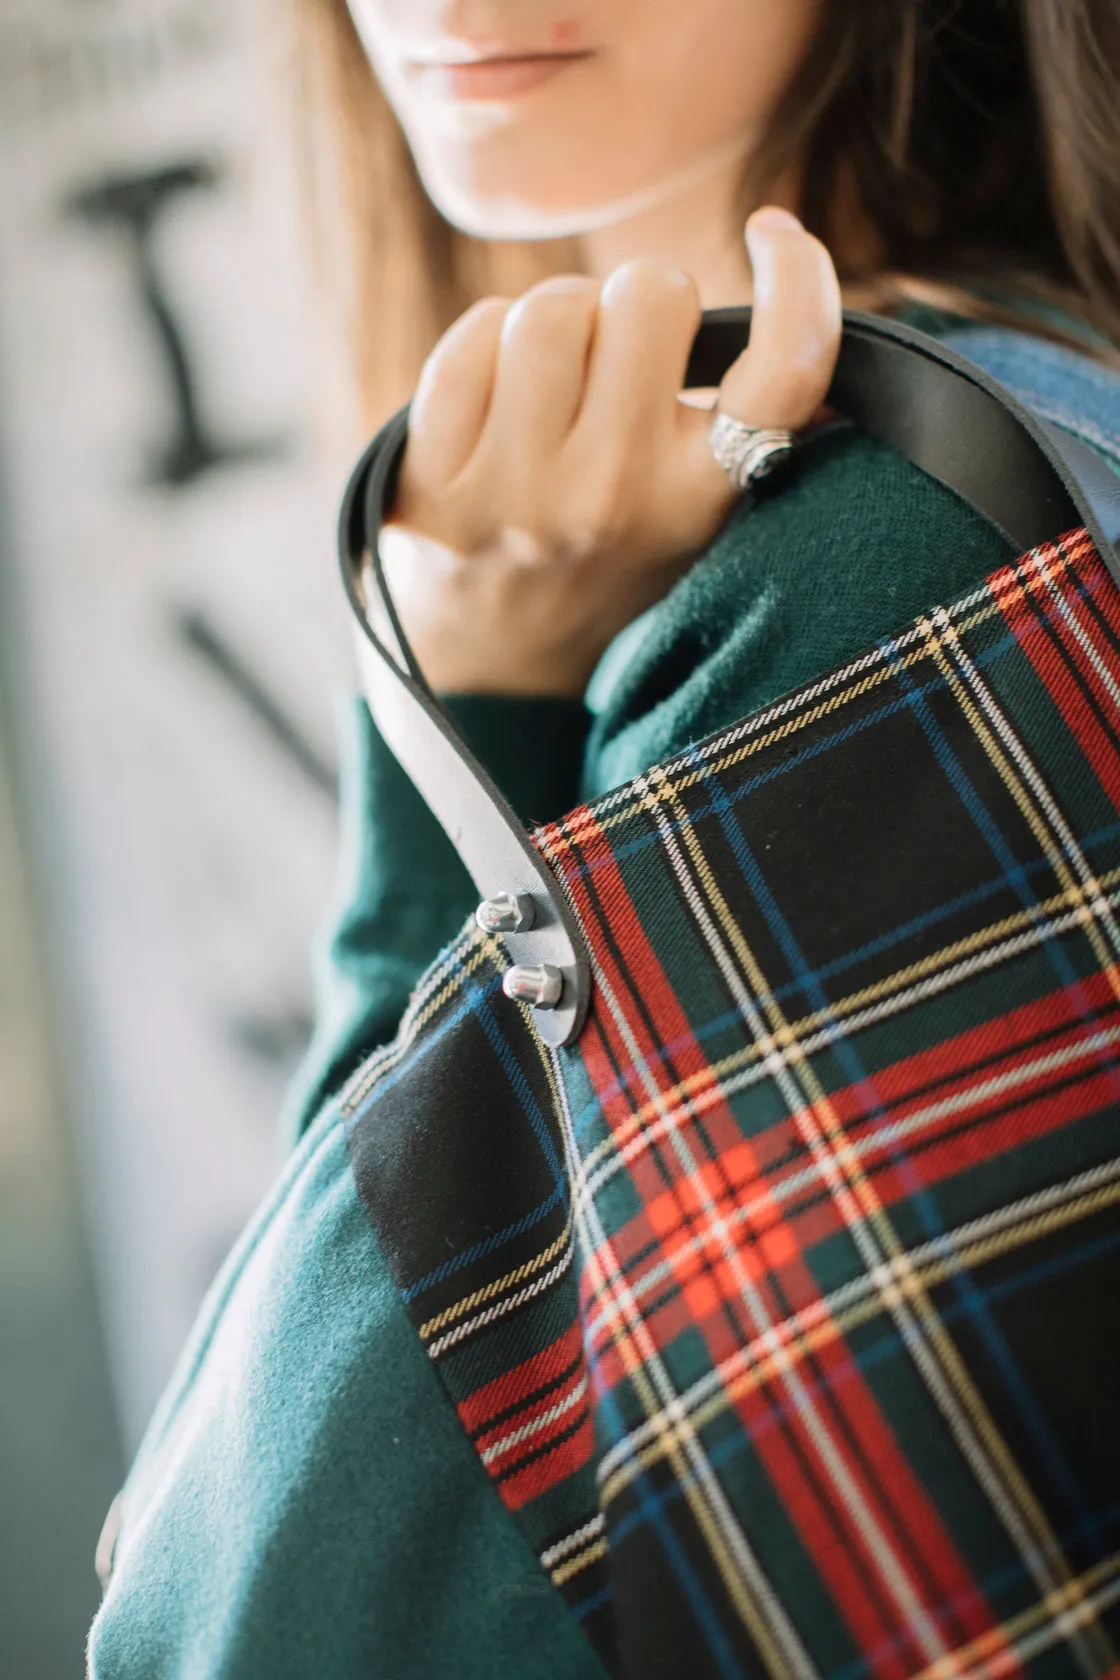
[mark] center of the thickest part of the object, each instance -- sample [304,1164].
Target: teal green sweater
[305,1503]
[801,582]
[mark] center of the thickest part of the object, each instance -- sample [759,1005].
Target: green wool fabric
[306,1505]
[852,550]
[306,1502]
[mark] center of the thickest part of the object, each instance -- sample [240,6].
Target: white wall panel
[184,855]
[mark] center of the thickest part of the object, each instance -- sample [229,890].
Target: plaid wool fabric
[784,1311]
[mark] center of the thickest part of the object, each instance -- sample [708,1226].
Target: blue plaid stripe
[783,1334]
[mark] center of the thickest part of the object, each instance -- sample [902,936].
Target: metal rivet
[506,913]
[542,987]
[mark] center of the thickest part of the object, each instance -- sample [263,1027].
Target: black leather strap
[929,404]
[953,420]
[475,814]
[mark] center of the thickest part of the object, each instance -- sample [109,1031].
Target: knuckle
[648,283]
[775,396]
[479,324]
[476,327]
[485,308]
[785,375]
[801,381]
[565,300]
[445,374]
[598,517]
[579,288]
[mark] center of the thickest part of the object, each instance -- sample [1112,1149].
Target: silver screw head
[506,913]
[541,986]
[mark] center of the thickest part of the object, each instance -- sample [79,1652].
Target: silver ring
[748,454]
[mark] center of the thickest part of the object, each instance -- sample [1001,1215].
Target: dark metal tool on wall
[133,206]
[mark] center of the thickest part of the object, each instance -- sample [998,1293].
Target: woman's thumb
[783,376]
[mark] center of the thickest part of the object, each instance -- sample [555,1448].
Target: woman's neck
[695,225]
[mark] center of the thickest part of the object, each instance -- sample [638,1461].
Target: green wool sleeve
[402,892]
[306,1505]
[852,550]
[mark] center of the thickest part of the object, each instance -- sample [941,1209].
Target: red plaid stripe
[1080,643]
[806,1244]
[532,1425]
[987,1091]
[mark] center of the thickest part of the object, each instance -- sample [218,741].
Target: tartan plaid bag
[782,1305]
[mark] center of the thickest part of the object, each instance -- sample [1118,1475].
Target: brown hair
[979,138]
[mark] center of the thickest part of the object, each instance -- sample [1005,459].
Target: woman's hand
[554,485]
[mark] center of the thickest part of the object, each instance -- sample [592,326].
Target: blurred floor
[59,1453]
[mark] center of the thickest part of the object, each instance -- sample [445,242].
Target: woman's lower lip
[495,78]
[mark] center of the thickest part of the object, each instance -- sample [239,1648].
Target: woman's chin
[516,201]
[514,211]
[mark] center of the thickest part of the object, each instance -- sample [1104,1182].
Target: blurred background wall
[171,641]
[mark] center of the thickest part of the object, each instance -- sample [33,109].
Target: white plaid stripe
[1107,679]
[517,1437]
[801,1182]
[853,1303]
[749,1590]
[866,1221]
[572,1542]
[1013,764]
[1039,809]
[677,838]
[1059,1617]
[500,1309]
[843,1019]
[462,957]
[1033,573]
[718,754]
[895,1279]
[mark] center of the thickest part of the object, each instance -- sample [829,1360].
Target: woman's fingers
[558,416]
[542,368]
[795,335]
[554,485]
[648,315]
[519,378]
[783,376]
[453,397]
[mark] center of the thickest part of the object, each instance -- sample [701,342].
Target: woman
[306,1501]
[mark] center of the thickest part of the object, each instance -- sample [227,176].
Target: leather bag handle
[929,404]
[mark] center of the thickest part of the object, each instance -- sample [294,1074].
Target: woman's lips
[495,78]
